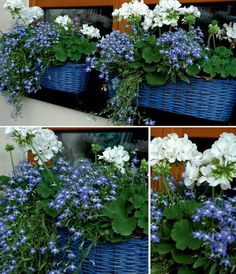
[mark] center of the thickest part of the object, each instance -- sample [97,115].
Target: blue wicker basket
[211,100]
[69,78]
[128,257]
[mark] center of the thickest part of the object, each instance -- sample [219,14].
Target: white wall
[5,17]
[38,113]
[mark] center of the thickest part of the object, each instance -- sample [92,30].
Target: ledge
[40,113]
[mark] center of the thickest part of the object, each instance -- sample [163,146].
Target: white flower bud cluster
[27,14]
[116,155]
[90,31]
[64,21]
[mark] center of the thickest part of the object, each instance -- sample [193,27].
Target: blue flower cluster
[85,191]
[181,48]
[23,58]
[14,239]
[222,237]
[156,214]
[115,49]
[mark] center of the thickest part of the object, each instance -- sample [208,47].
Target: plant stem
[209,41]
[213,194]
[46,167]
[12,163]
[214,41]
[163,179]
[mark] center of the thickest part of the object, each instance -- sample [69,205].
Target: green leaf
[182,233]
[185,270]
[44,190]
[151,55]
[135,65]
[223,52]
[173,212]
[155,79]
[143,223]
[137,200]
[200,262]
[213,269]
[115,209]
[4,180]
[43,204]
[232,68]
[164,248]
[124,225]
[149,68]
[184,78]
[90,48]
[60,53]
[192,70]
[182,258]
[151,40]
[189,207]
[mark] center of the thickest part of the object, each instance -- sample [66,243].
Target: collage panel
[193,202]
[117,136]
[74,200]
[117,62]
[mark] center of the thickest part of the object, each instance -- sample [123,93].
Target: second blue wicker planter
[211,100]
[69,78]
[128,257]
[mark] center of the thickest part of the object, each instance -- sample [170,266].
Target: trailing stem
[123,107]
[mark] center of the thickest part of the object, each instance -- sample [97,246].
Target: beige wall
[5,163]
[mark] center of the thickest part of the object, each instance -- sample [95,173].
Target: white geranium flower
[14,5]
[169,11]
[190,10]
[64,21]
[133,8]
[46,143]
[225,147]
[206,172]
[230,30]
[29,15]
[90,31]
[170,4]
[172,148]
[208,176]
[40,141]
[116,155]
[191,174]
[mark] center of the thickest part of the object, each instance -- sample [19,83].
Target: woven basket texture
[211,100]
[69,78]
[128,257]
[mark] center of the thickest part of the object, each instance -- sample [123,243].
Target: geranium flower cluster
[217,166]
[181,48]
[27,15]
[114,48]
[167,12]
[173,149]
[133,10]
[221,237]
[42,142]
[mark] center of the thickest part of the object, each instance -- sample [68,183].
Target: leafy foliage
[221,63]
